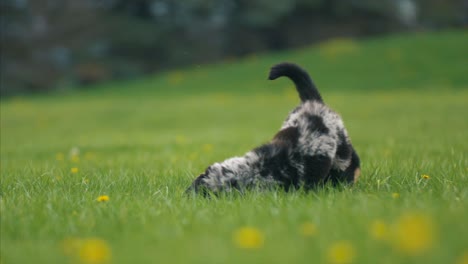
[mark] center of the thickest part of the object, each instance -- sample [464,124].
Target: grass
[404,100]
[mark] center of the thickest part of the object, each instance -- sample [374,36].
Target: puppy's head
[198,185]
[203,183]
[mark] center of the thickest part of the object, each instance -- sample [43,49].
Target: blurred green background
[50,45]
[131,100]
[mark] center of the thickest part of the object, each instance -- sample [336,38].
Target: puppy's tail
[304,85]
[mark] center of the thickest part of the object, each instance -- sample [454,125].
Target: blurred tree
[38,38]
[50,44]
[442,13]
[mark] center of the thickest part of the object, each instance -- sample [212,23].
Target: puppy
[311,148]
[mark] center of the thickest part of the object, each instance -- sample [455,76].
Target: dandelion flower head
[463,259]
[103,198]
[341,252]
[248,238]
[94,251]
[414,233]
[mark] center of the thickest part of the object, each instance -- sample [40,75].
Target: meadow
[98,175]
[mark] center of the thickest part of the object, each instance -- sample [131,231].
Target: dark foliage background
[57,44]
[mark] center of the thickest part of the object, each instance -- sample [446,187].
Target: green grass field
[404,100]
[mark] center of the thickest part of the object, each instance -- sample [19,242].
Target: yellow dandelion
[379,230]
[395,195]
[308,229]
[94,251]
[413,233]
[463,259]
[74,170]
[341,252]
[425,176]
[59,156]
[207,148]
[103,198]
[248,238]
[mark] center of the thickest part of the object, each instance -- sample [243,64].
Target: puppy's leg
[316,170]
[318,161]
[350,174]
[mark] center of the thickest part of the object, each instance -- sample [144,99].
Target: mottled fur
[311,148]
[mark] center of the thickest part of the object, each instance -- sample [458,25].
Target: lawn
[97,176]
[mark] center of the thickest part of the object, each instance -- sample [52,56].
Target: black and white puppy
[311,148]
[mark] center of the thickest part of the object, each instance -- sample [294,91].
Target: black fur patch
[225,170]
[288,135]
[278,164]
[344,149]
[316,124]
[316,170]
